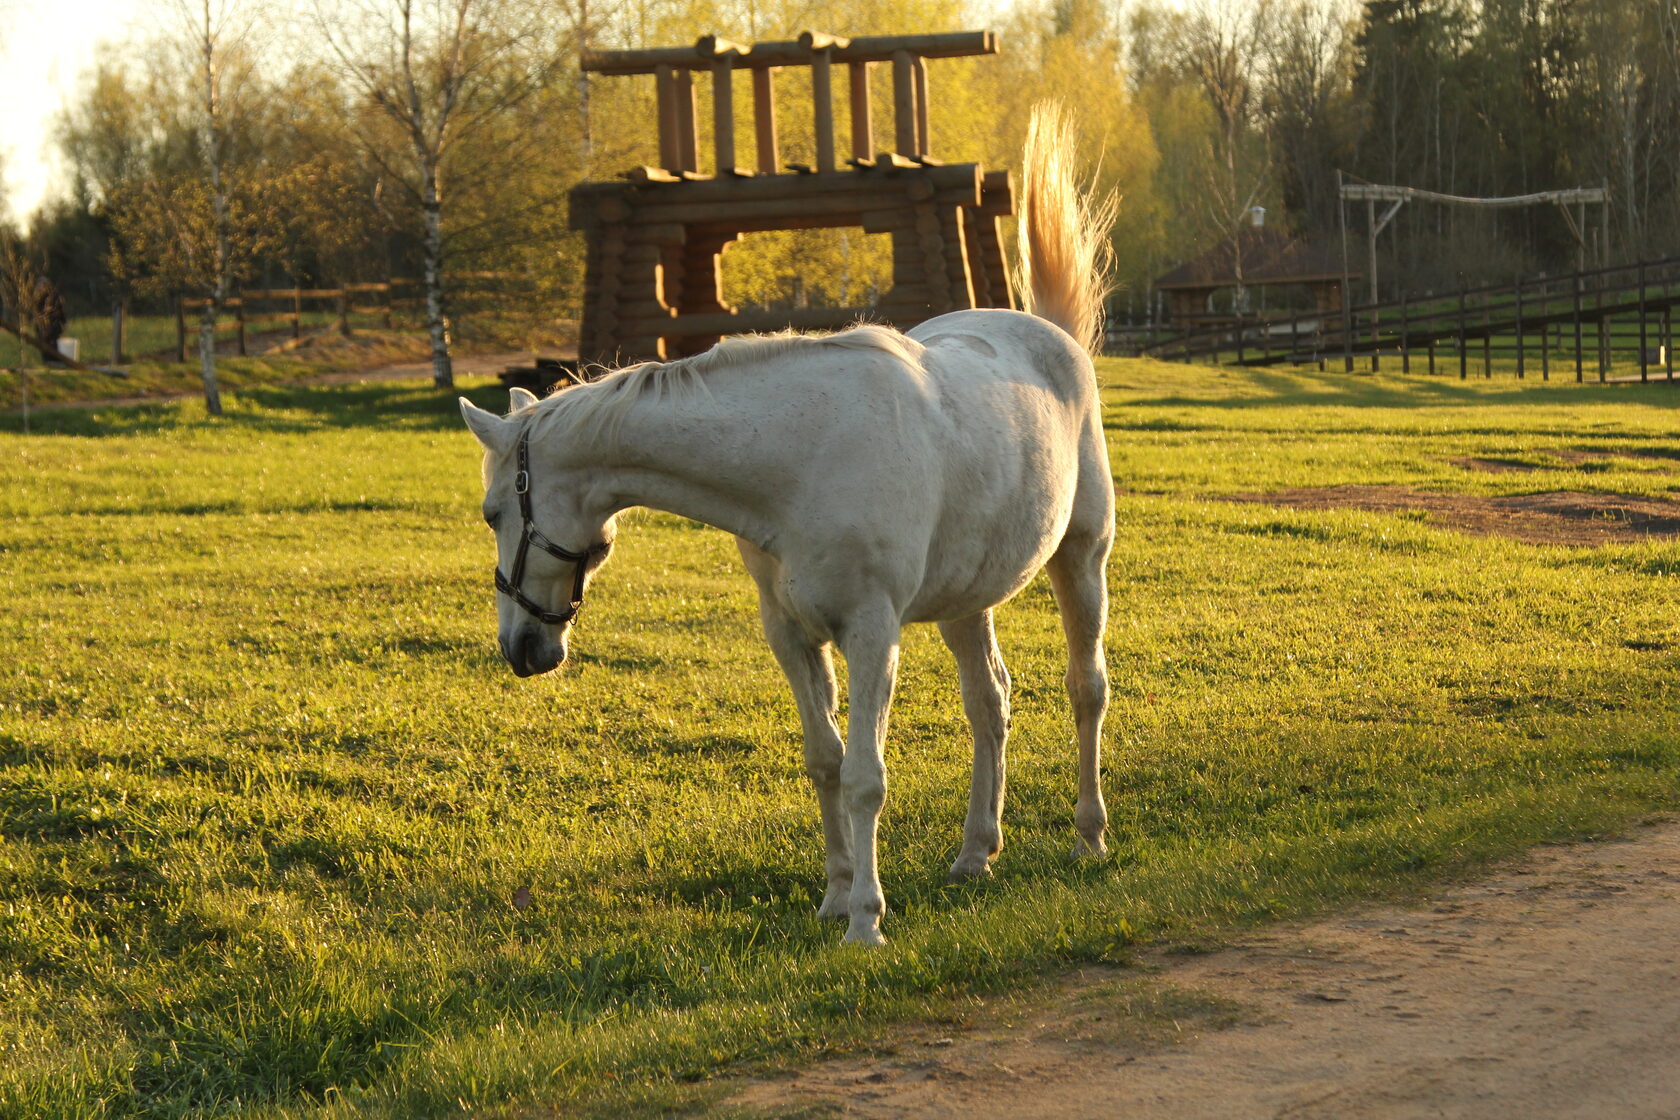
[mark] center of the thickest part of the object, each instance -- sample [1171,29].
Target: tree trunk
[437,325]
[207,358]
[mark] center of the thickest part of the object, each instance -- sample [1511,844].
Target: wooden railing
[1622,308]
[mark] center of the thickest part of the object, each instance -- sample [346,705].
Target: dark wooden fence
[1598,319]
[392,303]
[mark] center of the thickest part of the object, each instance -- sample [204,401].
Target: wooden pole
[1580,364]
[239,324]
[343,314]
[1405,340]
[1668,339]
[904,103]
[297,312]
[688,136]
[119,332]
[863,124]
[180,330]
[723,116]
[822,101]
[764,119]
[1520,355]
[1644,358]
[1371,242]
[670,150]
[1463,342]
[919,68]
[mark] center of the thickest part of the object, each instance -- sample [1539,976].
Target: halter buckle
[522,482]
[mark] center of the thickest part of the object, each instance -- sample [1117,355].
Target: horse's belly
[960,581]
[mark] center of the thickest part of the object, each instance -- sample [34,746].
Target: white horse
[871,479]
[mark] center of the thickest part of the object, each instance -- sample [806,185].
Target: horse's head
[547,545]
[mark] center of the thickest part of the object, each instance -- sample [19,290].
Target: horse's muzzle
[531,652]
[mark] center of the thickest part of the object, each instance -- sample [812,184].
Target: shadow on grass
[384,405]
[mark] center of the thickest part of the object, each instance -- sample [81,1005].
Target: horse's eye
[492,520]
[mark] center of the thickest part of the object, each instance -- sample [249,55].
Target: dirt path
[1551,988]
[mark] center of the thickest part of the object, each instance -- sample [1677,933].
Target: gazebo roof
[1268,256]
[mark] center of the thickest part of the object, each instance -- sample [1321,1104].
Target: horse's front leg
[810,673]
[869,640]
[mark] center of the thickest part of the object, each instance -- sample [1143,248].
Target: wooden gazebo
[655,238]
[1255,257]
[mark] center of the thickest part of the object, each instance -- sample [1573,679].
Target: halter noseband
[529,535]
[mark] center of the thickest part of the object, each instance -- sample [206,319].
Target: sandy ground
[1549,988]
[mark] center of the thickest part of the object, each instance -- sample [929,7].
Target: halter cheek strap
[529,535]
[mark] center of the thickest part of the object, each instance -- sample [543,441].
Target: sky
[46,46]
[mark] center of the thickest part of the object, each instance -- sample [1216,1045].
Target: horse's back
[969,347]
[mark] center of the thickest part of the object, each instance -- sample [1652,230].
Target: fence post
[297,311]
[1644,359]
[180,329]
[1463,342]
[1603,346]
[1580,372]
[1405,333]
[1520,354]
[344,312]
[239,322]
[1668,339]
[119,331]
[1347,331]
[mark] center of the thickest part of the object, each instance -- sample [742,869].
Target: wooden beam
[764,120]
[863,124]
[796,52]
[822,102]
[919,71]
[688,133]
[723,116]
[904,102]
[670,151]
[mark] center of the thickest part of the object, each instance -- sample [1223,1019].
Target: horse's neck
[692,454]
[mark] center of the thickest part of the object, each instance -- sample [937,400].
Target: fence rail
[255,306]
[1592,316]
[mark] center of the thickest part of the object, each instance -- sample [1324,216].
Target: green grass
[266,790]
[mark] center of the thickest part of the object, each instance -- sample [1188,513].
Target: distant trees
[440,137]
[429,79]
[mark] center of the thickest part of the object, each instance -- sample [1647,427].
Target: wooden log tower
[655,239]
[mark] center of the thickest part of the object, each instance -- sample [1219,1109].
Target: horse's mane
[606,400]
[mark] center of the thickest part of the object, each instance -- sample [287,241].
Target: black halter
[528,536]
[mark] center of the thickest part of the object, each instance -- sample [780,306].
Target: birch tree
[214,39]
[428,76]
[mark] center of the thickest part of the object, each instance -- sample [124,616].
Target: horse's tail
[1066,262]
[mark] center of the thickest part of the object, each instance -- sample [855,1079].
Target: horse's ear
[492,431]
[519,398]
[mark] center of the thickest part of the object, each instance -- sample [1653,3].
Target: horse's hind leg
[985,693]
[1077,575]
[810,673]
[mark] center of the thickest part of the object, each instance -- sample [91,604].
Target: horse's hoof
[1086,849]
[864,935]
[833,908]
[966,869]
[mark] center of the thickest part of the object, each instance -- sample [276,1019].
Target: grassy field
[267,792]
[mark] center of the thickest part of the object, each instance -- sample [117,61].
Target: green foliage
[267,793]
